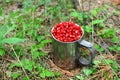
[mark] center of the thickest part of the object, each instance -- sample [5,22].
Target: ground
[26,47]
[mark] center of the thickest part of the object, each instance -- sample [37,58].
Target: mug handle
[91,55]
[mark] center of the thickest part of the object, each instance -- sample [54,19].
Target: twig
[19,62]
[81,4]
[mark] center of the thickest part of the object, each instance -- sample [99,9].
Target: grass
[25,39]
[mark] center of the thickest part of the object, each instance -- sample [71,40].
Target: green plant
[106,33]
[95,12]
[99,48]
[114,48]
[70,79]
[2,52]
[46,73]
[81,16]
[80,77]
[29,65]
[87,29]
[25,78]
[4,31]
[113,64]
[11,40]
[25,23]
[87,72]
[15,75]
[36,53]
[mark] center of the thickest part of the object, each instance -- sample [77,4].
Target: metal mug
[67,55]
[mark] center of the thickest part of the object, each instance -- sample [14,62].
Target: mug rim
[68,42]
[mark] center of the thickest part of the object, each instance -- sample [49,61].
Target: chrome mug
[68,55]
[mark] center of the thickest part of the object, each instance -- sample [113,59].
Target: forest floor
[32,20]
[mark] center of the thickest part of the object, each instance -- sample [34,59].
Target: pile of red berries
[67,32]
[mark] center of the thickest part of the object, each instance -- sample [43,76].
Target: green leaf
[109,61]
[113,64]
[94,12]
[97,21]
[87,72]
[74,14]
[57,73]
[0,11]
[101,25]
[7,1]
[46,41]
[48,73]
[2,52]
[41,53]
[15,75]
[114,48]
[28,64]
[35,55]
[87,29]
[107,33]
[40,38]
[13,14]
[14,64]
[99,48]
[111,48]
[39,68]
[30,32]
[80,77]
[41,45]
[11,65]
[115,39]
[118,48]
[106,6]
[97,62]
[8,30]
[13,40]
[3,30]
[42,75]
[71,79]
[26,78]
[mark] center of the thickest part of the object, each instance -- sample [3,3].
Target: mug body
[64,53]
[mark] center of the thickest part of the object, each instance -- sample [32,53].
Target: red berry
[67,32]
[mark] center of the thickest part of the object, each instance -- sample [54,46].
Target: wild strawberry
[67,32]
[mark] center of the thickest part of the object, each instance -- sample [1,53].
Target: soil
[113,20]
